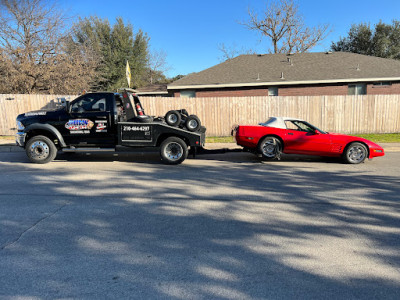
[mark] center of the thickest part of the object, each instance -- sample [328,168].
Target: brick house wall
[230,92]
[299,90]
[313,90]
[384,89]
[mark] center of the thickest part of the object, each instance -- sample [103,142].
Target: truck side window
[90,103]
[120,109]
[100,105]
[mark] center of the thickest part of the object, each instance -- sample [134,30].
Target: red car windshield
[304,126]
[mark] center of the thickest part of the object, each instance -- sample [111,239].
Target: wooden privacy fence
[13,105]
[344,114]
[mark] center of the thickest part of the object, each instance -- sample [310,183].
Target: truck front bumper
[20,139]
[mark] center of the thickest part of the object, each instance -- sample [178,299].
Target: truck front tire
[41,150]
[173,151]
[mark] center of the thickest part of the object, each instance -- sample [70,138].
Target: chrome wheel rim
[172,118]
[192,124]
[173,151]
[39,150]
[356,154]
[269,148]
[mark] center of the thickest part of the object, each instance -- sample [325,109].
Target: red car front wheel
[355,153]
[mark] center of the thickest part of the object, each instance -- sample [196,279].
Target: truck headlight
[20,126]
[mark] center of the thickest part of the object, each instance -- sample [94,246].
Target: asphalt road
[222,226]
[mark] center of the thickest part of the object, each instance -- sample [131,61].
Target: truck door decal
[79,126]
[101,126]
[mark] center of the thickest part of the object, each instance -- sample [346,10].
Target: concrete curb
[389,147]
[7,148]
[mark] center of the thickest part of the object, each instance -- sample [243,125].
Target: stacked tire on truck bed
[182,119]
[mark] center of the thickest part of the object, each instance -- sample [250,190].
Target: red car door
[306,140]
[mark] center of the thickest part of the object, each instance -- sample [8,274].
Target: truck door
[89,121]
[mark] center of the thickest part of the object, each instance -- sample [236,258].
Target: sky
[190,32]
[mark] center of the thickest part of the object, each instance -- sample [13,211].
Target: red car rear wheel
[270,147]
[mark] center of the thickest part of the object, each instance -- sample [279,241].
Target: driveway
[223,226]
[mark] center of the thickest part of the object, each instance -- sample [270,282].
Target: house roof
[153,89]
[299,68]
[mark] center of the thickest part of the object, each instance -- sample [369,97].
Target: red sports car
[294,136]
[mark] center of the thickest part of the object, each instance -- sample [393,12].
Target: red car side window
[290,125]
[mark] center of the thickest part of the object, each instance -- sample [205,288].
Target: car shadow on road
[249,157]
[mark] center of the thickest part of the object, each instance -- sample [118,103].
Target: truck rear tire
[173,151]
[41,150]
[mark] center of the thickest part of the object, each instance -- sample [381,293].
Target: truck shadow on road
[200,230]
[154,158]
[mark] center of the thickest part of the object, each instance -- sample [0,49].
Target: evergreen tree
[114,45]
[382,41]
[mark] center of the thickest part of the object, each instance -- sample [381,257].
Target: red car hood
[350,138]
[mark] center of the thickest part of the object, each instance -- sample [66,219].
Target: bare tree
[282,23]
[33,51]
[157,65]
[232,51]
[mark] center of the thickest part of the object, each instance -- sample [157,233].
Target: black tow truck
[104,121]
